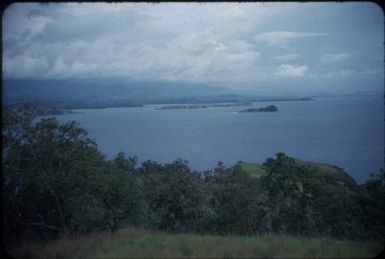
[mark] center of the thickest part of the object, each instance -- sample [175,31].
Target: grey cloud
[281,39]
[89,27]
[228,44]
[288,70]
[334,58]
[287,57]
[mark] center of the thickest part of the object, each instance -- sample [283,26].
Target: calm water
[347,132]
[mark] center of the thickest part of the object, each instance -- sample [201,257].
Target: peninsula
[203,106]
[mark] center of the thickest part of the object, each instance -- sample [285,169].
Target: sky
[268,47]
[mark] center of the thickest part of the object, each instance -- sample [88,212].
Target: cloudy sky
[330,47]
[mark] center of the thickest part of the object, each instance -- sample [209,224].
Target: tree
[372,202]
[307,202]
[287,206]
[50,171]
[174,195]
[57,182]
[235,200]
[124,193]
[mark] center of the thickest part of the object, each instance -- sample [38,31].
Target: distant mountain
[93,93]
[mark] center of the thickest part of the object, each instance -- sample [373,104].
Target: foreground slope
[139,243]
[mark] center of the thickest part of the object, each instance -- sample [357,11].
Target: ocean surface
[346,132]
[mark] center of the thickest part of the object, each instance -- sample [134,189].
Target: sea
[347,132]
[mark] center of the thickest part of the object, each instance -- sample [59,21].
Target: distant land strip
[202,106]
[234,104]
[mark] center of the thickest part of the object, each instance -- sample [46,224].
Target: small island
[270,108]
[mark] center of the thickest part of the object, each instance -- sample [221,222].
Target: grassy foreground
[139,243]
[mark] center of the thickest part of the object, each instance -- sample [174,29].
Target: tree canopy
[57,182]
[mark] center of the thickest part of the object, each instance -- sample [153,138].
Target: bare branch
[42,224]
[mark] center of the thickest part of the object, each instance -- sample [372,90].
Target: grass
[139,243]
[320,167]
[255,170]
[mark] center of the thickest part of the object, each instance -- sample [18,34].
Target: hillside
[255,170]
[332,173]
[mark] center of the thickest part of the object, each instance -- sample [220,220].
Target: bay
[346,132]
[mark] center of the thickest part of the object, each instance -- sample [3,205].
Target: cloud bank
[282,39]
[334,58]
[288,70]
[229,44]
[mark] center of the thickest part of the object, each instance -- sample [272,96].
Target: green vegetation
[336,174]
[58,185]
[255,170]
[139,243]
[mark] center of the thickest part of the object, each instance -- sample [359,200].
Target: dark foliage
[56,182]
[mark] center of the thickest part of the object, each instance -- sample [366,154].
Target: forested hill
[94,93]
[87,93]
